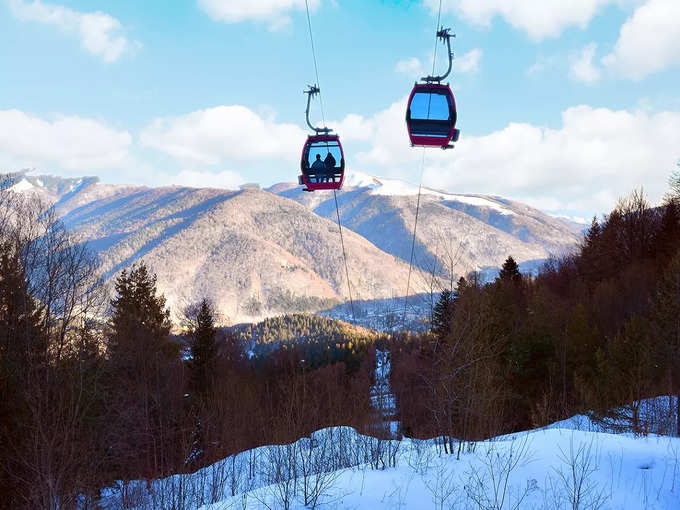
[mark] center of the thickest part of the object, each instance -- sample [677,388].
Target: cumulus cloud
[543,64]
[70,143]
[583,69]
[648,42]
[100,34]
[415,67]
[545,18]
[274,12]
[595,156]
[224,134]
[410,67]
[468,62]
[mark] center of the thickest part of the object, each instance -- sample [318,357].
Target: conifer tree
[590,264]
[203,348]
[140,319]
[20,351]
[144,378]
[441,314]
[593,233]
[510,271]
[460,288]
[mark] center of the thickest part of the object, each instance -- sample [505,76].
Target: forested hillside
[596,330]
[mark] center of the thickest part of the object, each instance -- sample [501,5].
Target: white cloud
[410,67]
[224,134]
[274,12]
[582,68]
[539,19]
[71,143]
[100,34]
[542,64]
[649,41]
[415,67]
[595,156]
[468,62]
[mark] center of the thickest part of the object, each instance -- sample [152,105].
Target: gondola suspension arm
[445,35]
[312,91]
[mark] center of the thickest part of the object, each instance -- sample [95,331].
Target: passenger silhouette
[330,166]
[319,167]
[329,161]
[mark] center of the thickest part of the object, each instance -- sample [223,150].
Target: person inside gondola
[319,168]
[330,167]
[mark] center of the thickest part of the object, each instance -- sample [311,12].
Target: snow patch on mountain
[22,185]
[396,187]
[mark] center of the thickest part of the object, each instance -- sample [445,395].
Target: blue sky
[564,105]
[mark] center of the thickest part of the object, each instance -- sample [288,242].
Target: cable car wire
[420,184]
[413,241]
[316,67]
[323,118]
[439,16]
[344,256]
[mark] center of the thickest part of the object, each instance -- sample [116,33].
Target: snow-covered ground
[557,467]
[387,315]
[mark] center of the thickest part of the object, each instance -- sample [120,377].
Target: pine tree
[21,341]
[140,319]
[460,288]
[590,264]
[510,271]
[441,314]
[144,379]
[593,233]
[203,348]
[21,353]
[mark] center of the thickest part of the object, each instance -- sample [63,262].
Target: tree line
[596,331]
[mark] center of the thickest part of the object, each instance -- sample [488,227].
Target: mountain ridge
[263,252]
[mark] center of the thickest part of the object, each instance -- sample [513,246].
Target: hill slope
[252,252]
[456,233]
[260,253]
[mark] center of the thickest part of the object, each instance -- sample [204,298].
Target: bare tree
[442,486]
[55,367]
[488,486]
[575,485]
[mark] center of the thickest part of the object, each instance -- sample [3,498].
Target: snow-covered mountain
[456,233]
[263,252]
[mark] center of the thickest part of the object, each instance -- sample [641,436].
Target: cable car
[431,112]
[323,160]
[319,171]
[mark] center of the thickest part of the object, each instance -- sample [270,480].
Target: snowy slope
[541,469]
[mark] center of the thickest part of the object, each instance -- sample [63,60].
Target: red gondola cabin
[431,116]
[323,163]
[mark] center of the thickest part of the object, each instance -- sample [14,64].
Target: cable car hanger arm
[312,91]
[445,35]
